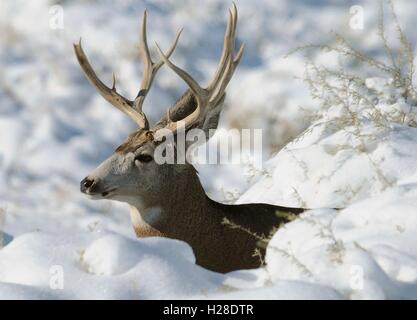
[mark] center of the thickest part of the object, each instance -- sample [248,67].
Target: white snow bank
[109,267]
[283,290]
[330,167]
[112,254]
[366,251]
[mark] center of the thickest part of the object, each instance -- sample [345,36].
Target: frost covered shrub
[365,108]
[351,100]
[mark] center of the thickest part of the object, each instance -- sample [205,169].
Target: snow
[326,169]
[54,129]
[102,268]
[366,250]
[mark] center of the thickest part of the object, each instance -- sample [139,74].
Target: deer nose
[86,183]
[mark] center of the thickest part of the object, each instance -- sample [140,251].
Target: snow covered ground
[54,129]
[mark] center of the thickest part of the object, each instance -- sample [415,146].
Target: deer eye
[143,158]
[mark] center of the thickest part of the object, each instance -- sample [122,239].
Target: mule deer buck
[168,200]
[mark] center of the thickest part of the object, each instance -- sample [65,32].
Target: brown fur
[189,215]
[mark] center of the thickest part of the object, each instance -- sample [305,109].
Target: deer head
[131,174]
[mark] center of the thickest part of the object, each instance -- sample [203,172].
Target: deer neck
[184,212]
[175,210]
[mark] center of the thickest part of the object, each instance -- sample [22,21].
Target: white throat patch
[146,218]
[152,215]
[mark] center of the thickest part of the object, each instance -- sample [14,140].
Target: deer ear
[211,120]
[185,105]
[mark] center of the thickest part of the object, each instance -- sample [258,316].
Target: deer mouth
[100,194]
[108,193]
[92,188]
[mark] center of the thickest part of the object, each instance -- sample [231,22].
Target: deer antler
[213,94]
[132,108]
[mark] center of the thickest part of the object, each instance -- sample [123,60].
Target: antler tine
[149,67]
[171,49]
[199,93]
[227,75]
[194,86]
[221,80]
[227,50]
[111,95]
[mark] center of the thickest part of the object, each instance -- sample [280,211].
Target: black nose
[85,184]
